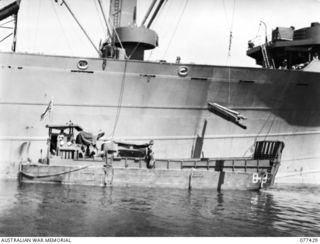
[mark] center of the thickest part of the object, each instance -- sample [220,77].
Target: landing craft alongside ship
[71,161]
[138,100]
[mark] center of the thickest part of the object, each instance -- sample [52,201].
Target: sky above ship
[196,30]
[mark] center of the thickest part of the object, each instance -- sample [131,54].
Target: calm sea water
[59,210]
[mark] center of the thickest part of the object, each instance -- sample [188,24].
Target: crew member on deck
[284,64]
[150,156]
[315,56]
[61,137]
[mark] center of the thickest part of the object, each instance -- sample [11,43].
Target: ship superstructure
[289,48]
[132,99]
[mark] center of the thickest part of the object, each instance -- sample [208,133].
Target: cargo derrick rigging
[230,27]
[121,36]
[104,18]
[151,19]
[126,35]
[176,28]
[8,10]
[125,39]
[62,27]
[134,40]
[79,24]
[110,29]
[155,13]
[148,12]
[104,27]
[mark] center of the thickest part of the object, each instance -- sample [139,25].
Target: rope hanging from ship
[230,27]
[110,27]
[100,20]
[166,29]
[37,26]
[64,2]
[252,147]
[119,106]
[276,104]
[104,18]
[176,28]
[62,28]
[229,74]
[268,133]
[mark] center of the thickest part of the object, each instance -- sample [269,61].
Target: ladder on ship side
[268,62]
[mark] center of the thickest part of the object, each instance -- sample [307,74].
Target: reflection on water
[57,210]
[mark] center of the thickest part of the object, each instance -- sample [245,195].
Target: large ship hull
[138,101]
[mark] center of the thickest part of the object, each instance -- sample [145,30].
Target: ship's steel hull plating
[139,101]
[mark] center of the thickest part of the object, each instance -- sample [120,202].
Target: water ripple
[57,210]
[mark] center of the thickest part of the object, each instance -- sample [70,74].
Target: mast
[125,32]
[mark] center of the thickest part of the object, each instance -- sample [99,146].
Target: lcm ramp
[313,66]
[8,8]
